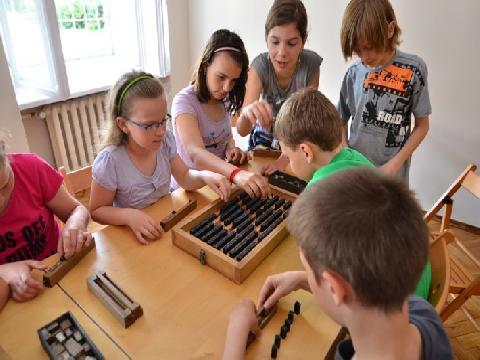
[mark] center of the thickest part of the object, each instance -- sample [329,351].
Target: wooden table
[19,323]
[186,305]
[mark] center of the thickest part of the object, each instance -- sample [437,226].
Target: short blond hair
[367,20]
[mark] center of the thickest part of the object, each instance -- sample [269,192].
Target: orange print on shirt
[392,78]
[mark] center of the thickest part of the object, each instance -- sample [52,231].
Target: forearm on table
[111,215]
[205,160]
[235,343]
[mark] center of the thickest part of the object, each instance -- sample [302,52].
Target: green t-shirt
[344,159]
[348,158]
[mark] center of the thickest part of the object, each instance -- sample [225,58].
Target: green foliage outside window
[81,15]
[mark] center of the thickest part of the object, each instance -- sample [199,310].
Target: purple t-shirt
[215,134]
[114,170]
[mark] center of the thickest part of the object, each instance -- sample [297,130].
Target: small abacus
[234,237]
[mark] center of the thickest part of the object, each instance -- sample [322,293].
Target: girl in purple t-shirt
[139,157]
[201,112]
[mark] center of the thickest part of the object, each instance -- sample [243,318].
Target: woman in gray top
[274,75]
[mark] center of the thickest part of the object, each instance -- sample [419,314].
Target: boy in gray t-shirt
[381,91]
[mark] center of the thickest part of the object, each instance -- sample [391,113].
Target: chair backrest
[468,180]
[77,180]
[439,260]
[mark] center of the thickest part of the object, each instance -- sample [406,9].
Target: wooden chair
[77,180]
[463,283]
[440,263]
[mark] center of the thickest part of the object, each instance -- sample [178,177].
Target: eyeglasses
[154,125]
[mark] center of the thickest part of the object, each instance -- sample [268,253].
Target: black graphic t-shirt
[28,229]
[380,102]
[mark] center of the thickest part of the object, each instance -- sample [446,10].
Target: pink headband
[227,48]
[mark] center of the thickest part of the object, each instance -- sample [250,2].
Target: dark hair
[285,12]
[367,20]
[368,228]
[220,39]
[308,115]
[133,85]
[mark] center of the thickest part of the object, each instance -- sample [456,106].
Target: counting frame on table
[226,264]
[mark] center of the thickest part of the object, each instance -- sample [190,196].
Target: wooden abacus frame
[237,271]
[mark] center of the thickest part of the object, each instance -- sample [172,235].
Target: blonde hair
[3,145]
[130,87]
[368,20]
[3,155]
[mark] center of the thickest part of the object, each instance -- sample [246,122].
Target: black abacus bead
[243,196]
[296,307]
[252,203]
[239,220]
[229,246]
[245,251]
[202,224]
[261,217]
[204,230]
[213,240]
[244,224]
[283,332]
[278,341]
[229,212]
[255,207]
[287,205]
[273,354]
[225,240]
[291,316]
[279,204]
[245,231]
[208,235]
[233,216]
[277,214]
[241,245]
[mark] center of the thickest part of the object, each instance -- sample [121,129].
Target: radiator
[74,130]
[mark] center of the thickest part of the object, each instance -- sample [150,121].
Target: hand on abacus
[254,185]
[217,183]
[144,227]
[279,285]
[72,240]
[236,156]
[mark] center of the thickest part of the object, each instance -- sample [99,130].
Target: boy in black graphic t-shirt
[381,91]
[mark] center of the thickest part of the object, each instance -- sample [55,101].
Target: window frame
[156,62]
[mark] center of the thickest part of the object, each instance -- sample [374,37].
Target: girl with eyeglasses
[139,156]
[202,111]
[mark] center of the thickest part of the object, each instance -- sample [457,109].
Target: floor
[464,335]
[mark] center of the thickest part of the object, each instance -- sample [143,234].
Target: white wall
[443,33]
[10,119]
[178,21]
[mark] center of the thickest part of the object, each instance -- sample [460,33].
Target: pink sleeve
[49,179]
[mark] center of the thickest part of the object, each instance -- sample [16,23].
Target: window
[58,49]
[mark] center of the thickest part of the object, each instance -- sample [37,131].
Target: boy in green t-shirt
[309,130]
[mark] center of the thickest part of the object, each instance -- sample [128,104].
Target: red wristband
[233,173]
